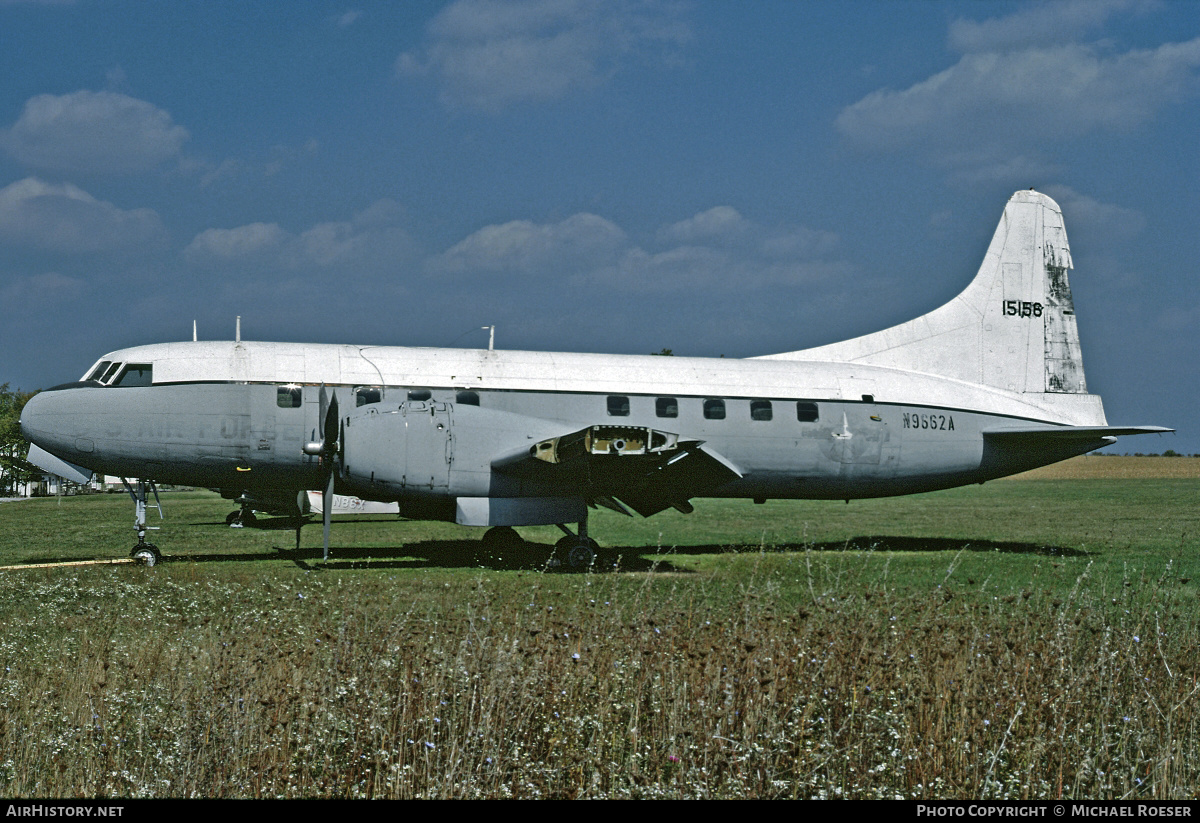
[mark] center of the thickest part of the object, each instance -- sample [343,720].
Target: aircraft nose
[50,418]
[34,416]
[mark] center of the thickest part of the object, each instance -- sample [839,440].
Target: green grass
[1020,639]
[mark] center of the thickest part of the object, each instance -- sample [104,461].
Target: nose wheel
[146,554]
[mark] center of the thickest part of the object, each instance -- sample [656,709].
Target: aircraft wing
[645,469]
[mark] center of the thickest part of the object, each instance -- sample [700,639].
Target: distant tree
[14,469]
[1171,453]
[664,353]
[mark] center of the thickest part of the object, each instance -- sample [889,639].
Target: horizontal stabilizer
[1012,449]
[1064,433]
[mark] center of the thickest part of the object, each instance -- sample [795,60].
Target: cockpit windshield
[98,370]
[121,374]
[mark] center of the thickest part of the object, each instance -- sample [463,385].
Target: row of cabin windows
[713,408]
[289,397]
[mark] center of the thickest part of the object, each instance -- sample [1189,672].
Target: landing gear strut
[144,553]
[579,550]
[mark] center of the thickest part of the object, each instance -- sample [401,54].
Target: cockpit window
[98,370]
[135,374]
[109,373]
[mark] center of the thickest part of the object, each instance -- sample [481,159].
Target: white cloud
[489,54]
[41,290]
[720,223]
[243,241]
[372,241]
[718,250]
[1040,24]
[93,132]
[65,218]
[583,239]
[989,103]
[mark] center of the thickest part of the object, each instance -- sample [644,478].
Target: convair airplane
[988,385]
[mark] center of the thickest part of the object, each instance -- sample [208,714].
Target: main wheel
[146,554]
[580,553]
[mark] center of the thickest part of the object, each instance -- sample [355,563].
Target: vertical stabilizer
[1012,328]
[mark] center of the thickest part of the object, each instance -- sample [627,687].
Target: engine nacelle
[397,452]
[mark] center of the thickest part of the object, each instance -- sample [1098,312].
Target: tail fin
[1013,328]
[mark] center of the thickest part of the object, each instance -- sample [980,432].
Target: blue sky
[710,177]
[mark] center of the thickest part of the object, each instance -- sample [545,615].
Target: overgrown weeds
[796,674]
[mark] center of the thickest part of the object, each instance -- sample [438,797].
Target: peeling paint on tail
[1064,361]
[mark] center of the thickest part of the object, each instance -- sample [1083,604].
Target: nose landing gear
[146,554]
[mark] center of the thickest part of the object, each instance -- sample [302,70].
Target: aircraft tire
[579,554]
[146,555]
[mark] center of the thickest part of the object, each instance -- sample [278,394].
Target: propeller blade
[341,450]
[328,510]
[322,405]
[330,421]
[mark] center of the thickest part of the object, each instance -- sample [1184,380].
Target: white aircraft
[988,385]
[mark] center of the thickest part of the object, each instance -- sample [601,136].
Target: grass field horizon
[1031,638]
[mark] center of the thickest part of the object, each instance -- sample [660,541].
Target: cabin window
[618,405]
[467,398]
[666,407]
[760,410]
[288,397]
[419,395]
[714,409]
[366,395]
[99,370]
[135,374]
[806,412]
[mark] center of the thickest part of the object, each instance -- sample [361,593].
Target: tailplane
[1013,328]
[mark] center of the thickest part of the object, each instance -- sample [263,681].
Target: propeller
[328,452]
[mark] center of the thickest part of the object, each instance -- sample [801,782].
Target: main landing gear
[242,517]
[578,550]
[575,551]
[146,554]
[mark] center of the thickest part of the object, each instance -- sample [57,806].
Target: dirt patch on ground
[1101,466]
